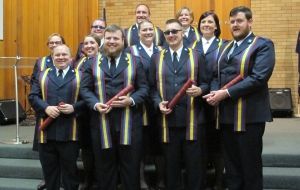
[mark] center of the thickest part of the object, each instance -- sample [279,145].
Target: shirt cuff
[133,103]
[228,92]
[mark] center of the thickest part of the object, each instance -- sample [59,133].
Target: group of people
[218,120]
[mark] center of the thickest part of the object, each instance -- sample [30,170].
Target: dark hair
[99,19]
[140,4]
[173,20]
[216,18]
[243,9]
[95,37]
[185,8]
[114,28]
[57,34]
[144,21]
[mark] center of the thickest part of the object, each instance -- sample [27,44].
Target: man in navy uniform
[142,12]
[116,128]
[244,107]
[58,142]
[182,128]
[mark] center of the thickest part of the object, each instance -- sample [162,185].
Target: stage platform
[281,156]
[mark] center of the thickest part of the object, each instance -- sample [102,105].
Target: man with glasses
[244,107]
[183,126]
[98,26]
[142,12]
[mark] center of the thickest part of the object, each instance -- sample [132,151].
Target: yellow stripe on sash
[129,36]
[101,99]
[240,100]
[192,107]
[160,81]
[145,116]
[156,36]
[80,62]
[43,81]
[43,64]
[127,109]
[74,128]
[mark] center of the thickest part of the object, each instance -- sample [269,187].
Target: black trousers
[242,156]
[190,153]
[58,160]
[120,160]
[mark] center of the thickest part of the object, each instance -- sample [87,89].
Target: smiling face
[208,27]
[146,33]
[53,42]
[174,35]
[61,56]
[98,28]
[90,46]
[113,43]
[142,13]
[240,26]
[185,18]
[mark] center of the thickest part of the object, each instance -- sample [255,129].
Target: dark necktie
[232,50]
[175,60]
[60,75]
[112,68]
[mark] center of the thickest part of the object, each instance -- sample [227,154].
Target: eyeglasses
[55,42]
[174,31]
[98,27]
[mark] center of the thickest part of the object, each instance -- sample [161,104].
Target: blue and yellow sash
[42,64]
[191,132]
[240,106]
[126,120]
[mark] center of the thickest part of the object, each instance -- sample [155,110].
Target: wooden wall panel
[221,7]
[29,23]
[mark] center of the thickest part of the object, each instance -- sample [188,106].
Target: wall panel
[28,23]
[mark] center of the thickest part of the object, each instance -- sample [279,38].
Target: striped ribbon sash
[240,106]
[191,111]
[126,120]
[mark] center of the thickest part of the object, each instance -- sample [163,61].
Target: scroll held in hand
[48,120]
[123,92]
[232,82]
[180,93]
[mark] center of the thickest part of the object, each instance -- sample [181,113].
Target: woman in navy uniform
[209,47]
[186,17]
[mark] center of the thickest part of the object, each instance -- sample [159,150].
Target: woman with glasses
[186,18]
[209,46]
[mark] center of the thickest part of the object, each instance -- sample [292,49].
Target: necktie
[175,60]
[112,68]
[232,50]
[60,75]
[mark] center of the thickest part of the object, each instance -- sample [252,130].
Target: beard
[112,51]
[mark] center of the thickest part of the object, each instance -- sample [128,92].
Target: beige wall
[122,12]
[280,21]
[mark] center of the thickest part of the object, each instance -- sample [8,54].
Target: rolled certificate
[48,120]
[180,93]
[232,82]
[123,92]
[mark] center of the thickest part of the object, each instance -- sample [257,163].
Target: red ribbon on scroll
[180,93]
[232,82]
[123,92]
[48,120]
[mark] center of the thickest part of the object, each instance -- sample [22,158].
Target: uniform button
[175,84]
[175,71]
